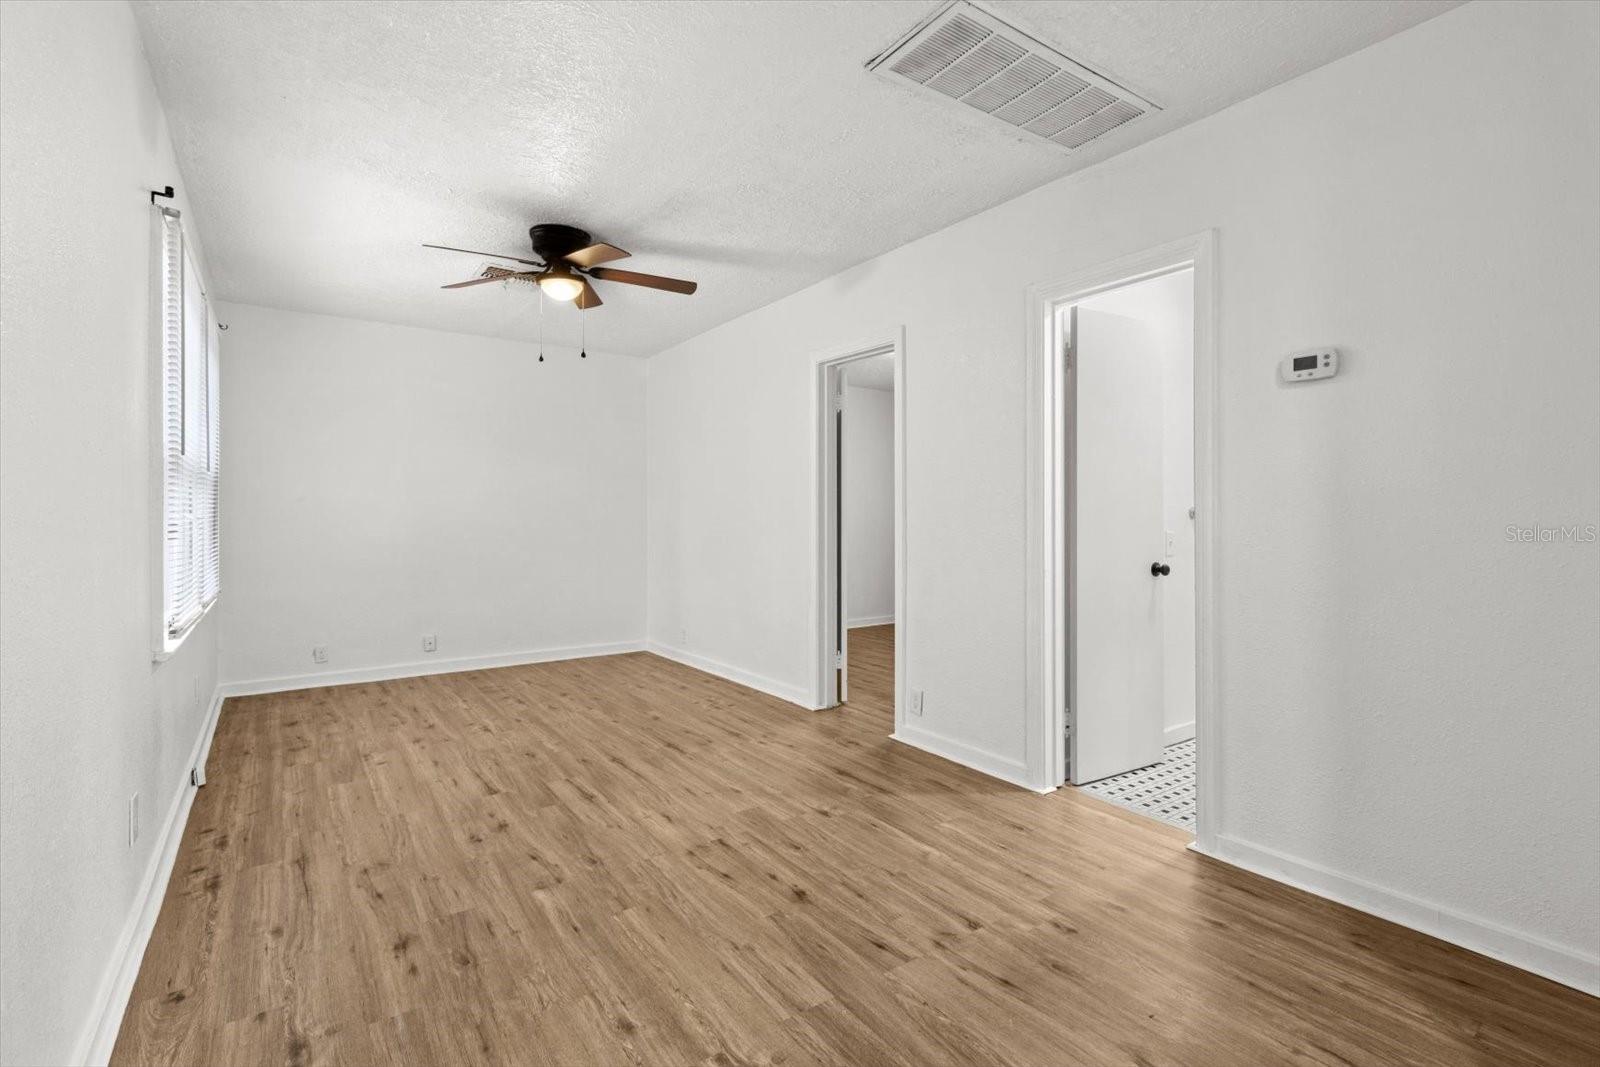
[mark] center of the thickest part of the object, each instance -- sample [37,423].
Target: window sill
[170,645]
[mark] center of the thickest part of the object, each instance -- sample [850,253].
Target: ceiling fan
[567,258]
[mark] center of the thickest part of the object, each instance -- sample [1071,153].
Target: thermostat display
[1306,366]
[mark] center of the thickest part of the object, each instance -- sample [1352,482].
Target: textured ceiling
[739,144]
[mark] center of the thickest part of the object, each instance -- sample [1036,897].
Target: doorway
[1129,355]
[1121,440]
[860,400]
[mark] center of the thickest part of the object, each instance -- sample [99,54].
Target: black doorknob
[1158,569]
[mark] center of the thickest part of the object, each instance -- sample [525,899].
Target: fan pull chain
[541,325]
[583,335]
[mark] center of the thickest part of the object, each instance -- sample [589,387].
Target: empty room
[802,532]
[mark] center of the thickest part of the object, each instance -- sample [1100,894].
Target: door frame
[1049,467]
[828,563]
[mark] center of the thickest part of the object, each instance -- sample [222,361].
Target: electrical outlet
[133,820]
[916,702]
[196,691]
[430,643]
[319,654]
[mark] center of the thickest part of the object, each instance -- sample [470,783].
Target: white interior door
[1115,629]
[841,607]
[836,633]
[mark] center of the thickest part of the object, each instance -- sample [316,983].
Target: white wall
[86,718]
[1408,699]
[1165,306]
[869,505]
[387,482]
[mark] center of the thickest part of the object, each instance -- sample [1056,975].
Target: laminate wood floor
[626,861]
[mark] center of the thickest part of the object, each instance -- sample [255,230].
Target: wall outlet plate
[133,820]
[916,702]
[319,654]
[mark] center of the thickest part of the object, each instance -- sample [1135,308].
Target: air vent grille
[941,48]
[966,54]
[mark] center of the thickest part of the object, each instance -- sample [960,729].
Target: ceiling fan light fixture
[568,259]
[560,284]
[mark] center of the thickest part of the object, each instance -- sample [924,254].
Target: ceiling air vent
[967,54]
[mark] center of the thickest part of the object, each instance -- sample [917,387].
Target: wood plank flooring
[626,861]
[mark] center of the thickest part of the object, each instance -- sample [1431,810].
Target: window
[191,563]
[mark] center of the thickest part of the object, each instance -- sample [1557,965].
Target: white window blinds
[190,557]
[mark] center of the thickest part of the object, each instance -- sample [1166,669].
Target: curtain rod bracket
[167,192]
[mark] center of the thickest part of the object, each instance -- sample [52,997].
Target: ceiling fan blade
[649,281]
[494,274]
[595,254]
[588,298]
[491,255]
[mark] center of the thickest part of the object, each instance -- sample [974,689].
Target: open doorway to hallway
[867,488]
[860,488]
[1131,650]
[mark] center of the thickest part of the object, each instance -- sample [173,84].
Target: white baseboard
[111,1002]
[770,686]
[870,620]
[1184,731]
[1559,963]
[981,760]
[421,668]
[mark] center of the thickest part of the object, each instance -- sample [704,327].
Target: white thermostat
[1304,366]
